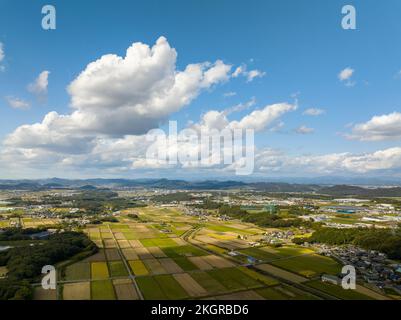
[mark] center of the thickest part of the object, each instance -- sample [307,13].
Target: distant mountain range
[272,187]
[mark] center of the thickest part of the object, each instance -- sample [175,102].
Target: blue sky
[299,46]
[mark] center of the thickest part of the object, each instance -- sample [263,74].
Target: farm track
[131,276]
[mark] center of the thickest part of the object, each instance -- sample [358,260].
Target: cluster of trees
[24,264]
[177,196]
[383,240]
[262,219]
[15,234]
[105,219]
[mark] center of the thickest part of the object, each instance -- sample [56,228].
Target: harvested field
[218,262]
[123,244]
[109,243]
[156,252]
[77,291]
[112,255]
[125,290]
[143,253]
[154,266]
[281,273]
[201,263]
[193,288]
[170,266]
[42,294]
[130,254]
[100,256]
[244,295]
[135,244]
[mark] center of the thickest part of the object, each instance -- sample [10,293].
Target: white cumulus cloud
[39,86]
[346,76]
[313,112]
[384,127]
[17,103]
[304,130]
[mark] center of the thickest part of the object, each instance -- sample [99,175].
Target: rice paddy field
[167,255]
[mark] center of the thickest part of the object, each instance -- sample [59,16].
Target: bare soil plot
[125,290]
[218,262]
[119,236]
[109,243]
[42,294]
[77,291]
[193,288]
[281,273]
[154,266]
[201,263]
[123,244]
[135,244]
[96,257]
[170,266]
[112,254]
[130,254]
[244,295]
[143,253]
[156,252]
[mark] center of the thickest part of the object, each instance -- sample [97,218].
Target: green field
[284,292]
[208,282]
[337,291]
[185,264]
[171,288]
[102,290]
[150,288]
[162,243]
[99,270]
[309,265]
[234,279]
[117,269]
[260,254]
[259,277]
[78,271]
[161,287]
[138,268]
[183,251]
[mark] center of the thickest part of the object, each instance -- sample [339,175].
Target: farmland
[165,254]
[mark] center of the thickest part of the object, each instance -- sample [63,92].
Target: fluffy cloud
[346,75]
[116,96]
[229,94]
[250,75]
[17,103]
[257,120]
[39,86]
[304,130]
[136,93]
[313,112]
[384,127]
[269,160]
